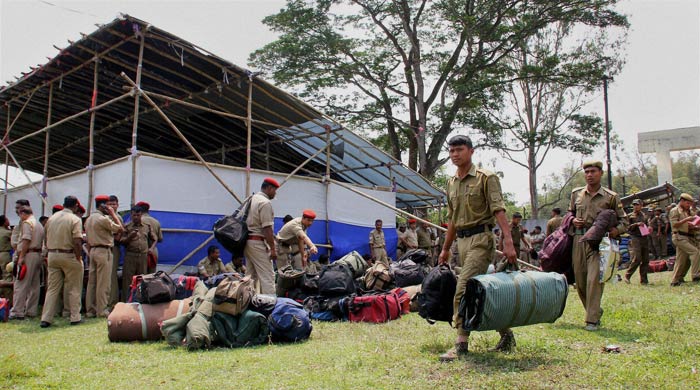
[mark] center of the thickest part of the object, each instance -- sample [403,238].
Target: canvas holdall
[375,308]
[436,295]
[336,280]
[247,329]
[153,288]
[377,277]
[142,321]
[231,231]
[289,322]
[233,295]
[355,261]
[288,278]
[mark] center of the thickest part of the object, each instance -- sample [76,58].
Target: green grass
[656,326]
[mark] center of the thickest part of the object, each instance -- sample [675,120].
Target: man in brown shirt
[136,239]
[100,228]
[260,248]
[116,254]
[554,222]
[474,203]
[586,203]
[212,264]
[64,238]
[657,224]
[292,241]
[5,244]
[154,224]
[31,238]
[638,244]
[377,244]
[687,254]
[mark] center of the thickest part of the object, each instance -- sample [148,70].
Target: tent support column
[328,183]
[44,181]
[249,124]
[135,126]
[91,151]
[182,136]
[7,158]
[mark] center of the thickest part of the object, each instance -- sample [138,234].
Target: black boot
[506,343]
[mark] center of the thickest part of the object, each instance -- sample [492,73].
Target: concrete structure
[663,142]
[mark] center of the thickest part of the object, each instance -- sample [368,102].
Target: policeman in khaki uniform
[474,202]
[658,233]
[586,203]
[100,228]
[554,222]
[687,253]
[139,241]
[411,235]
[5,244]
[64,238]
[377,244]
[154,224]
[638,244]
[212,264]
[116,254]
[260,248]
[31,238]
[292,240]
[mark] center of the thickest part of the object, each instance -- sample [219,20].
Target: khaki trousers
[687,257]
[134,264]
[99,281]
[114,285]
[659,244]
[639,253]
[64,272]
[475,255]
[586,264]
[26,294]
[380,256]
[259,266]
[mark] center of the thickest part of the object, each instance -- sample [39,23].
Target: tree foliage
[411,71]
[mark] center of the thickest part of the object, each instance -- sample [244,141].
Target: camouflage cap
[593,163]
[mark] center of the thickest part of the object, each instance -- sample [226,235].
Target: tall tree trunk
[532,172]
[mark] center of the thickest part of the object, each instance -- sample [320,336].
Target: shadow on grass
[602,332]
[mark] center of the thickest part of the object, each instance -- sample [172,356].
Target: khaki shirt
[230,268]
[291,232]
[474,199]
[5,237]
[586,206]
[260,215]
[33,231]
[100,229]
[61,229]
[675,215]
[517,234]
[424,240]
[656,224]
[146,219]
[553,224]
[401,235]
[211,267]
[376,239]
[634,218]
[411,237]
[140,243]
[14,236]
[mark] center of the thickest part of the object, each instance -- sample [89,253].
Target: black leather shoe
[76,322]
[44,324]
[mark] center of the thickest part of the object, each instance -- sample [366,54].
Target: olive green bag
[233,295]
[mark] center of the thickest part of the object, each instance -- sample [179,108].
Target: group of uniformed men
[57,244]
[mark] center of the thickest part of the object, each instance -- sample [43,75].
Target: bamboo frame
[12,156]
[91,151]
[135,123]
[250,134]
[7,159]
[44,180]
[192,253]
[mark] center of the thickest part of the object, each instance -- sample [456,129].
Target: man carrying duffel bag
[474,202]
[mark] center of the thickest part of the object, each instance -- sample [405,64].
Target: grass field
[656,326]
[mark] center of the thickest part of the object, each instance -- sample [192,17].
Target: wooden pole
[249,124]
[91,151]
[12,156]
[21,110]
[192,253]
[301,166]
[7,158]
[44,181]
[328,182]
[182,137]
[135,126]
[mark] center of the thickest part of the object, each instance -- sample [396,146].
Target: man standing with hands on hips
[474,202]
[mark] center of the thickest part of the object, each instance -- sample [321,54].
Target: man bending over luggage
[474,202]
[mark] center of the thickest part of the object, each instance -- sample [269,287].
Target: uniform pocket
[476,200]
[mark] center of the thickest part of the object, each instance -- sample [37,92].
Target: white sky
[659,88]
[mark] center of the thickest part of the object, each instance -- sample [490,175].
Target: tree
[541,111]
[412,70]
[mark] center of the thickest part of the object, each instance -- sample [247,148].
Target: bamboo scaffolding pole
[192,253]
[44,180]
[300,166]
[327,181]
[91,143]
[250,134]
[135,123]
[70,118]
[176,230]
[182,137]
[7,158]
[19,114]
[12,156]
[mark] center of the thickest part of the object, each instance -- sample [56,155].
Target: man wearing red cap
[100,228]
[292,241]
[260,248]
[139,241]
[26,294]
[377,244]
[154,224]
[56,208]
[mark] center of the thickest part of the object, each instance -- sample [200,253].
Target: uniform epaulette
[577,189]
[609,191]
[485,172]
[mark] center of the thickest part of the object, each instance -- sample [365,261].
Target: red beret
[443,225]
[308,213]
[411,221]
[102,198]
[81,208]
[143,204]
[57,207]
[271,182]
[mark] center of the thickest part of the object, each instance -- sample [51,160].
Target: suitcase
[140,321]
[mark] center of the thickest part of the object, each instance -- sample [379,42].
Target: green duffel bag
[513,298]
[356,263]
[288,278]
[199,332]
[175,329]
[247,329]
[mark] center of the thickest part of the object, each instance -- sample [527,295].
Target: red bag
[152,261]
[658,266]
[404,299]
[377,308]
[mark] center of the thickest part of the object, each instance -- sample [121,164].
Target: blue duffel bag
[289,322]
[509,299]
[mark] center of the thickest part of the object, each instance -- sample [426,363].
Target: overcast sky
[658,89]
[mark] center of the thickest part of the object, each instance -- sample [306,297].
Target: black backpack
[418,256]
[407,273]
[156,288]
[232,231]
[435,301]
[336,280]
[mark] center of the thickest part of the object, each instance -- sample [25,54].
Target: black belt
[100,246]
[685,234]
[478,229]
